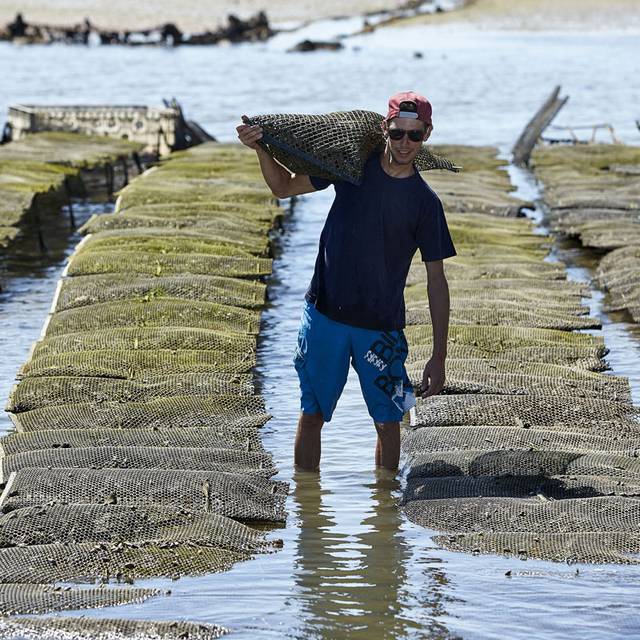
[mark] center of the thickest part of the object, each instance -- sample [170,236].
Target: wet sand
[538,15]
[188,15]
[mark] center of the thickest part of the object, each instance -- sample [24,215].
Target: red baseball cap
[408,104]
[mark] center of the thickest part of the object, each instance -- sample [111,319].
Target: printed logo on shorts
[375,360]
[388,354]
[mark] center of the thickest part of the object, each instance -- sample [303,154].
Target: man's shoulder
[428,195]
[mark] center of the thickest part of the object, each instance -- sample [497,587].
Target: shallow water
[28,276]
[484,86]
[351,565]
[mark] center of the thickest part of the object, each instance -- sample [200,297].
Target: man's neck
[392,168]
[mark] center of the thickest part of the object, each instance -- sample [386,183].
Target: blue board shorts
[325,350]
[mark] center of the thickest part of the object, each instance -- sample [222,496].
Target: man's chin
[402,159]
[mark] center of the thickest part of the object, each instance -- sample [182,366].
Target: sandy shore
[541,15]
[189,15]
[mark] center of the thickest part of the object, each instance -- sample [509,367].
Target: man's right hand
[249,135]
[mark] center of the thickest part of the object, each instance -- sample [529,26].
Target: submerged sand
[541,15]
[188,15]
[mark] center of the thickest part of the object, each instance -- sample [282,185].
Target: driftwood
[540,121]
[254,29]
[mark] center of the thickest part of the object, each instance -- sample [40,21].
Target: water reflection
[351,562]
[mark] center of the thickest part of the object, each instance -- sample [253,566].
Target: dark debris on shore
[254,29]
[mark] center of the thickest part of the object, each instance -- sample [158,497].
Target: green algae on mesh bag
[37,392]
[166,243]
[130,364]
[83,290]
[163,263]
[65,148]
[149,311]
[147,338]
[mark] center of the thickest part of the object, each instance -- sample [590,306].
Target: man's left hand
[433,378]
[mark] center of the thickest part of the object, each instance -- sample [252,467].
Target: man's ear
[385,128]
[427,132]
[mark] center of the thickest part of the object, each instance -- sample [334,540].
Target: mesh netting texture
[89,290]
[138,448]
[95,262]
[141,457]
[164,413]
[513,377]
[89,562]
[125,524]
[532,515]
[146,338]
[594,547]
[530,452]
[224,437]
[36,392]
[169,312]
[575,179]
[130,364]
[236,496]
[37,598]
[107,629]
[334,145]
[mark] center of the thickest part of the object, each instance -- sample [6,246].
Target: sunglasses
[415,135]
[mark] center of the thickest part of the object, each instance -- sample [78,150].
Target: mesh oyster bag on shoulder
[333,145]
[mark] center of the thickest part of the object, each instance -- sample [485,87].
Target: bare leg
[307,447]
[388,445]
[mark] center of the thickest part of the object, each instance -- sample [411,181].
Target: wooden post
[67,189]
[138,161]
[109,176]
[541,120]
[125,170]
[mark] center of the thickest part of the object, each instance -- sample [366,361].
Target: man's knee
[311,421]
[388,429]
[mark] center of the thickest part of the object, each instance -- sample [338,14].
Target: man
[354,311]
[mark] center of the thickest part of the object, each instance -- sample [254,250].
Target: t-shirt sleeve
[319,183]
[433,237]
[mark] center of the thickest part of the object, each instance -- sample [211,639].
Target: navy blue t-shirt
[369,239]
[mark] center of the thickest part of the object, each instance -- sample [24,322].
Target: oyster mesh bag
[107,629]
[334,145]
[41,598]
[242,497]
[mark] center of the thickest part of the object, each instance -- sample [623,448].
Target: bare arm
[433,377]
[281,182]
